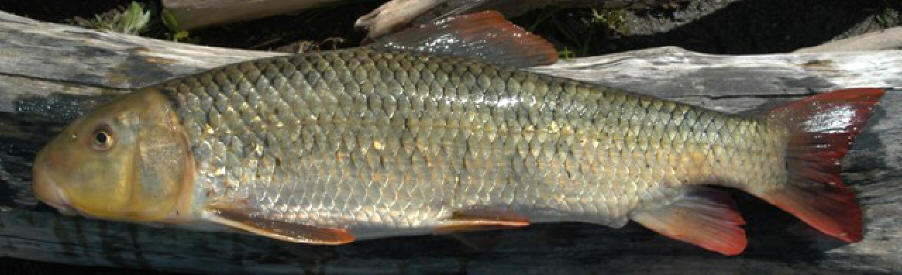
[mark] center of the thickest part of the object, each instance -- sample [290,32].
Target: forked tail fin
[822,128]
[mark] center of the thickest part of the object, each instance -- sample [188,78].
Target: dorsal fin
[485,36]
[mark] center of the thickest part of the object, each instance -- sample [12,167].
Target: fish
[437,130]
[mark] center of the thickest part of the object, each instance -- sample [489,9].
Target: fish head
[127,161]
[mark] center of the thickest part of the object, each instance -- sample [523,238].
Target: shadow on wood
[726,27]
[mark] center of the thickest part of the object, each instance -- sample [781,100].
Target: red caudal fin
[822,128]
[704,217]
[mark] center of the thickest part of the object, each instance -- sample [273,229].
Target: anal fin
[280,230]
[704,217]
[480,220]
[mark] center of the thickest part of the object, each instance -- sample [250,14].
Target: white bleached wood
[887,39]
[392,15]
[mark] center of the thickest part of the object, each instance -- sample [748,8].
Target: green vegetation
[884,18]
[137,19]
[132,20]
[578,32]
[175,33]
[888,15]
[565,54]
[613,19]
[610,22]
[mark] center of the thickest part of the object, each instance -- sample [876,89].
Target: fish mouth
[46,190]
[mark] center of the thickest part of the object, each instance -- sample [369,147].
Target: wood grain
[51,74]
[194,14]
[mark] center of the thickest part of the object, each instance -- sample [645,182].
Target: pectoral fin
[280,230]
[482,220]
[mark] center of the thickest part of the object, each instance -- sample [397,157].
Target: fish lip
[51,194]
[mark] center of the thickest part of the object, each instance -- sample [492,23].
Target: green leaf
[179,36]
[134,19]
[565,54]
[170,21]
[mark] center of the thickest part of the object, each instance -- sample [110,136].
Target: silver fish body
[394,143]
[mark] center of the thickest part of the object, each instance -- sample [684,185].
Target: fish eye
[102,138]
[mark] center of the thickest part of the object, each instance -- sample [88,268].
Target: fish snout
[45,187]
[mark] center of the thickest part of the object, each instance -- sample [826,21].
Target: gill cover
[126,161]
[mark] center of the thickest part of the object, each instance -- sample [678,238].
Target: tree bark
[51,74]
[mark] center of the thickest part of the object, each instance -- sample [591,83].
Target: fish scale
[365,139]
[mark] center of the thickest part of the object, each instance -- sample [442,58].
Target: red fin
[486,36]
[831,210]
[476,221]
[277,229]
[705,217]
[822,129]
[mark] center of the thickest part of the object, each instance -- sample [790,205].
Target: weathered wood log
[888,39]
[50,74]
[195,14]
[395,14]
[392,15]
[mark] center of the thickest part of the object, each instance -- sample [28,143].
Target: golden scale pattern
[368,139]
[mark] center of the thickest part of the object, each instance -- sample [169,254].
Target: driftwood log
[887,39]
[396,14]
[50,74]
[195,14]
